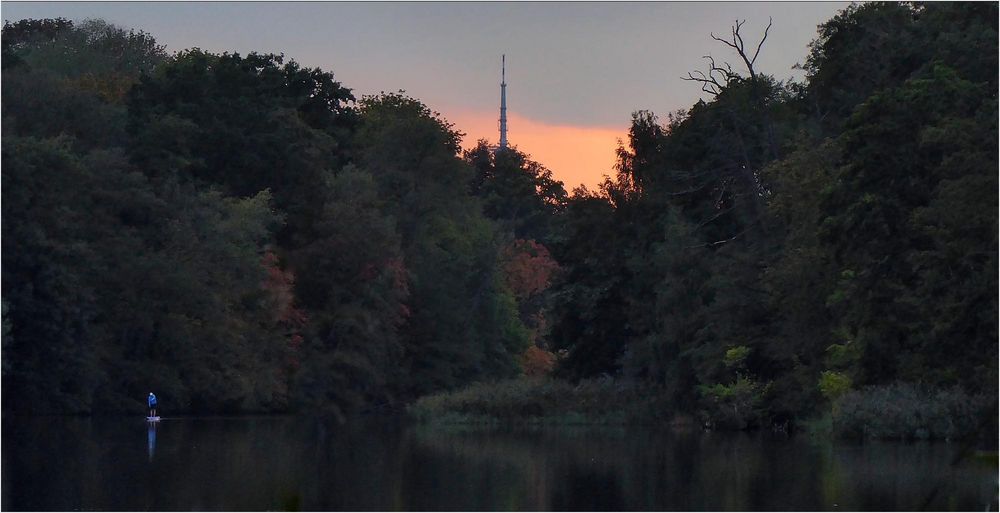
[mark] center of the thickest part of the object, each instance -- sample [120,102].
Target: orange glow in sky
[575,154]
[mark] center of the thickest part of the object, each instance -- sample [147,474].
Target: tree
[517,192]
[528,269]
[864,48]
[588,308]
[245,124]
[463,323]
[354,280]
[116,286]
[901,272]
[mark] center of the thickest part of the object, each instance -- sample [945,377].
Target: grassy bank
[905,411]
[540,401]
[898,411]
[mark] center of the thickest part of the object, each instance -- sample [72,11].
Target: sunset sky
[575,71]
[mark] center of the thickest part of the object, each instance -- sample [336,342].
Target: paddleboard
[153,419]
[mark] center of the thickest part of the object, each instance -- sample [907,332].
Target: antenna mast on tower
[503,102]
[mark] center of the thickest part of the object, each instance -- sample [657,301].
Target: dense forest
[242,234]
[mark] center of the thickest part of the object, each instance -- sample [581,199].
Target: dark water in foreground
[274,463]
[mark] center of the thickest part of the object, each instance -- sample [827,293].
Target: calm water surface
[279,463]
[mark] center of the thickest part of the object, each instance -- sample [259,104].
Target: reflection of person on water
[151,439]
[151,400]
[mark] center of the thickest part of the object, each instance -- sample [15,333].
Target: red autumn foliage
[537,362]
[280,286]
[396,270]
[528,267]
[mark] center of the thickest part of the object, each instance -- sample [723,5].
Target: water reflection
[383,464]
[151,439]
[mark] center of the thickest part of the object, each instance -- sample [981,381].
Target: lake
[289,463]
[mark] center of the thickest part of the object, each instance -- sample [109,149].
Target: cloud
[575,154]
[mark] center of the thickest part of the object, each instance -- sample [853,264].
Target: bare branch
[718,77]
[716,80]
[736,36]
[709,83]
[722,192]
[721,242]
[730,239]
[769,22]
[714,217]
[701,75]
[737,43]
[723,41]
[727,72]
[689,191]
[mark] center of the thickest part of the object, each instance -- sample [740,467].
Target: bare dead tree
[737,44]
[718,77]
[714,81]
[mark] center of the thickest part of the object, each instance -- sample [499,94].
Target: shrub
[734,406]
[736,357]
[533,400]
[907,411]
[834,384]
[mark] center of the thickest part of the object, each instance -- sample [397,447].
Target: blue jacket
[151,400]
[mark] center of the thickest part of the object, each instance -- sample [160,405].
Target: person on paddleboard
[151,400]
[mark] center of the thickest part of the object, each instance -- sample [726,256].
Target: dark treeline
[782,244]
[240,233]
[237,233]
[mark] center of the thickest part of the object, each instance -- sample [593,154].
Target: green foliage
[588,307]
[100,254]
[517,192]
[245,124]
[843,355]
[733,406]
[800,274]
[833,384]
[93,53]
[237,233]
[547,401]
[895,155]
[842,230]
[159,280]
[736,357]
[354,283]
[234,233]
[464,323]
[841,67]
[906,411]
